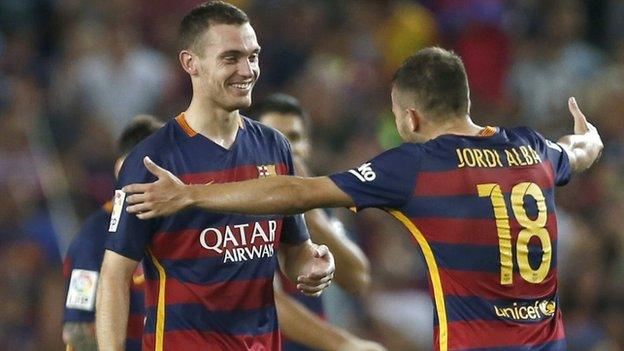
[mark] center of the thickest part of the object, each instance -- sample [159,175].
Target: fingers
[153,168]
[140,207]
[136,198]
[580,122]
[136,188]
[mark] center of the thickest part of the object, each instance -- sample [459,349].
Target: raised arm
[113,301]
[584,146]
[302,326]
[274,195]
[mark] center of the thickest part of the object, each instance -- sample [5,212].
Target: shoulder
[92,234]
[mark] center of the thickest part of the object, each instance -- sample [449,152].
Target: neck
[458,126]
[212,121]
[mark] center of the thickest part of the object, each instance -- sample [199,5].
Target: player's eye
[253,58]
[230,59]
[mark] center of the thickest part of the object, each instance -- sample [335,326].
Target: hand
[581,126]
[361,345]
[163,197]
[317,273]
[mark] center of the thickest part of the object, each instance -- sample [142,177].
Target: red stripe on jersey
[486,334]
[472,231]
[462,181]
[221,296]
[235,174]
[487,285]
[67,267]
[190,244]
[135,326]
[197,340]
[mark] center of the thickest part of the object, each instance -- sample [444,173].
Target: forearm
[80,336]
[352,266]
[275,195]
[300,325]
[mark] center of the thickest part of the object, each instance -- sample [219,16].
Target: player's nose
[245,69]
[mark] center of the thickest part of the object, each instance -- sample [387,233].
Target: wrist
[189,195]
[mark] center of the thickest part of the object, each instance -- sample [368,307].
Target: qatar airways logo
[241,242]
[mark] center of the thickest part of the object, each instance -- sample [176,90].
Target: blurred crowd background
[74,72]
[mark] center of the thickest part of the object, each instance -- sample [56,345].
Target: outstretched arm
[274,195]
[584,146]
[300,325]
[353,268]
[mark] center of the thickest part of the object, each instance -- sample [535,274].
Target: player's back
[481,208]
[483,212]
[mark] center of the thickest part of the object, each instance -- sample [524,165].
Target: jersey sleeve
[294,230]
[554,153]
[81,271]
[387,180]
[129,235]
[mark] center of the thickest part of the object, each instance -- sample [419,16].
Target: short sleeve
[129,235]
[294,229]
[387,180]
[81,270]
[558,158]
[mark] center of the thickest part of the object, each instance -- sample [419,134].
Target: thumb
[153,168]
[580,122]
[321,251]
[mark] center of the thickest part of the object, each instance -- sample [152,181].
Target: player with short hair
[209,276]
[479,201]
[302,317]
[84,260]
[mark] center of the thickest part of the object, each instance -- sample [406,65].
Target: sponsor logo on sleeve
[82,289]
[118,203]
[364,173]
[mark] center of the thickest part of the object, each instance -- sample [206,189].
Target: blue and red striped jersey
[482,211]
[81,270]
[209,276]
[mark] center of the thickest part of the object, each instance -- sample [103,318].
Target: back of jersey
[482,211]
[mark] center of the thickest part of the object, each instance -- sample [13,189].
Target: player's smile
[243,87]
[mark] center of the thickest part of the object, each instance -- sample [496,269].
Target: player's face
[293,129]
[228,66]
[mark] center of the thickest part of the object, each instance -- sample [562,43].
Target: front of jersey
[482,211]
[81,270]
[209,276]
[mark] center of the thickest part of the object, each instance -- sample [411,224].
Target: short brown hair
[138,129]
[203,16]
[438,80]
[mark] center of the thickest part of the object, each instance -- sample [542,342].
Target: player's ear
[188,62]
[414,119]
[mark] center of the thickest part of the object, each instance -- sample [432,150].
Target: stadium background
[73,72]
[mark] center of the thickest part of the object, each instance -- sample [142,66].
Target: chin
[239,103]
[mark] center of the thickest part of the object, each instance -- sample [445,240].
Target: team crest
[265,171]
